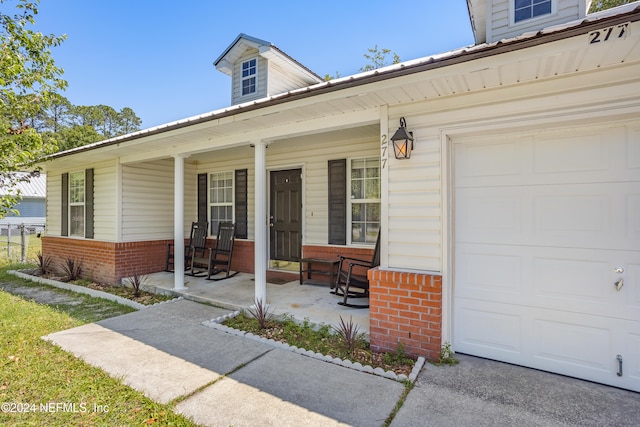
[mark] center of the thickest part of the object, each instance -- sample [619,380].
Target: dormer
[495,20]
[258,69]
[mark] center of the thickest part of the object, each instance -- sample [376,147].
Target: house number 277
[609,33]
[383,150]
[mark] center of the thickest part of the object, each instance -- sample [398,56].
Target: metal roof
[440,86]
[35,187]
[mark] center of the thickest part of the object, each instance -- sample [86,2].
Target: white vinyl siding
[261,78]
[147,200]
[105,197]
[415,205]
[54,203]
[284,155]
[501,23]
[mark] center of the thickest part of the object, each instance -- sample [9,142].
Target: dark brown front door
[286,215]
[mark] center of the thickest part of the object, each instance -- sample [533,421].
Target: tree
[56,116]
[598,5]
[378,58]
[29,79]
[128,121]
[75,136]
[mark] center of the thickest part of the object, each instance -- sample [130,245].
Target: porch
[313,302]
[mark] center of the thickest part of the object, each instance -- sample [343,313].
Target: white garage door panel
[579,156]
[577,280]
[567,343]
[540,226]
[604,215]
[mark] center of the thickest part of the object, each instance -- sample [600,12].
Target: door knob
[619,284]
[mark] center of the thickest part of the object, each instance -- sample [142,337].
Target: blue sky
[156,57]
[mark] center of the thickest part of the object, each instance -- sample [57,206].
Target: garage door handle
[619,284]
[619,359]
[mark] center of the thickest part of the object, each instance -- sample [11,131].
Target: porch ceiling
[350,105]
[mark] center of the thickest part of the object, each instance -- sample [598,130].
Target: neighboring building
[32,205]
[512,232]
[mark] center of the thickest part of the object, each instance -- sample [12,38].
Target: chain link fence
[16,240]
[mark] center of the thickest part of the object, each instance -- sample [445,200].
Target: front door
[286,215]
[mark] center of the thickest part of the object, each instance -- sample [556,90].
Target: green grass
[39,374]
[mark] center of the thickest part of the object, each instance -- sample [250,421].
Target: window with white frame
[527,9]
[220,199]
[365,200]
[249,76]
[76,204]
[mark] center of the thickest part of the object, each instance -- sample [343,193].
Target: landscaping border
[217,324]
[84,290]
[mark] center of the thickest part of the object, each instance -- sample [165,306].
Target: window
[76,204]
[249,77]
[527,9]
[220,199]
[365,200]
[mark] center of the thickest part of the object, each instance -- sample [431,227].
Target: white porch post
[385,147]
[178,223]
[260,251]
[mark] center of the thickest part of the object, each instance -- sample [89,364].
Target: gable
[276,72]
[495,20]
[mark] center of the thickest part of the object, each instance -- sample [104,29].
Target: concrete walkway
[219,379]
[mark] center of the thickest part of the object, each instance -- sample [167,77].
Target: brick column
[407,308]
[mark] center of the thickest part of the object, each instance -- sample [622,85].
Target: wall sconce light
[402,141]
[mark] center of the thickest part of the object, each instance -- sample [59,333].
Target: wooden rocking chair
[219,258]
[195,247]
[352,280]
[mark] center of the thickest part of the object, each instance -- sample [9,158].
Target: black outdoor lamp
[402,141]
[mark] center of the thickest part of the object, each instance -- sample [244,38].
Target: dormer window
[527,9]
[249,77]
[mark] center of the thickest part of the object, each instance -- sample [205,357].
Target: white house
[512,232]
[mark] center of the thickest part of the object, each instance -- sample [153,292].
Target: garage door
[547,251]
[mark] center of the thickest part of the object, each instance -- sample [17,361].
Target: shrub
[136,282]
[349,334]
[44,264]
[71,269]
[262,313]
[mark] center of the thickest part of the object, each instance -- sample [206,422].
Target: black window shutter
[64,230]
[202,197]
[241,205]
[88,203]
[338,202]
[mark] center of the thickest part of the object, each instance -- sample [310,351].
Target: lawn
[41,385]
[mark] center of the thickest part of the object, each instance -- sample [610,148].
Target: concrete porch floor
[313,302]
